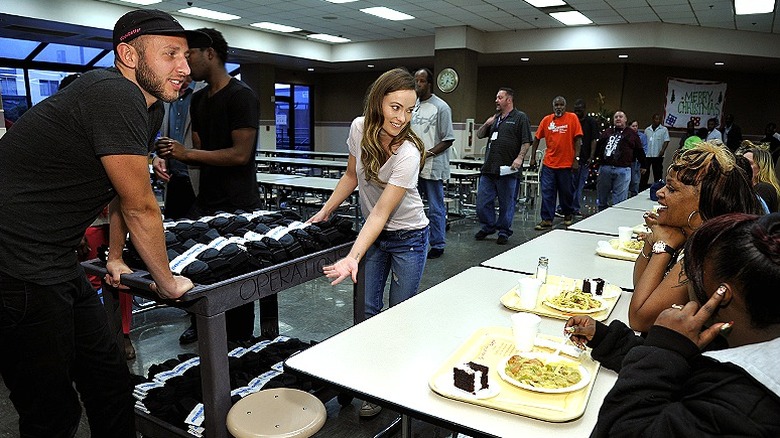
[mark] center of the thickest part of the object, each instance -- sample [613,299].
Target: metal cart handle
[137,280]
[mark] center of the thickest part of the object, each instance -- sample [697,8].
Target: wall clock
[447,80]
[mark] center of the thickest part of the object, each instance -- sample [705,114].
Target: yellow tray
[614,252]
[489,346]
[511,300]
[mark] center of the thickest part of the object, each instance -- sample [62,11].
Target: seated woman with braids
[678,381]
[701,183]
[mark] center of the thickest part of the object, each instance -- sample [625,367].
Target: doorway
[293,117]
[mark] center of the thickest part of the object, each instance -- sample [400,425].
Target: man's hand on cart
[116,268]
[180,286]
[342,269]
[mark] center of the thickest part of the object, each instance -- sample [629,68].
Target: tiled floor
[315,311]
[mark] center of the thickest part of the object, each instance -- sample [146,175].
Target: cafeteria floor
[314,311]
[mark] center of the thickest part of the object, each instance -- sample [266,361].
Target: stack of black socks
[226,245]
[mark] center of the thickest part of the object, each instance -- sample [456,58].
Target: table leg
[359,295]
[215,378]
[406,426]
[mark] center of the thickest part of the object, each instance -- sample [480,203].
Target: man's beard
[152,83]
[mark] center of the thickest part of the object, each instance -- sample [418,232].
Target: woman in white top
[385,157]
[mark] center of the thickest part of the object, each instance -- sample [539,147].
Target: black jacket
[668,388]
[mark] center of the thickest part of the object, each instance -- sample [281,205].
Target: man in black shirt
[509,133]
[225,119]
[63,161]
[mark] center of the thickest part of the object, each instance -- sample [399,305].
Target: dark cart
[208,303]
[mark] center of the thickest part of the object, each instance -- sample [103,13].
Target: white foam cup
[525,327]
[625,233]
[528,291]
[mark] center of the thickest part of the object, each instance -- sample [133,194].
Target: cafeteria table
[641,201]
[465,163]
[267,181]
[608,221]
[570,253]
[390,358]
[297,153]
[292,164]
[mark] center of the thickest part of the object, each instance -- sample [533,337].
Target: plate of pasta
[575,301]
[543,372]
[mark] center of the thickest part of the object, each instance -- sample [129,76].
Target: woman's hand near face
[673,236]
[689,320]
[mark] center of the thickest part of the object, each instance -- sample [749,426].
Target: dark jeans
[53,336]
[402,251]
[655,164]
[555,183]
[505,189]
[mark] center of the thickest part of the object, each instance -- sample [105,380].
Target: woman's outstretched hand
[342,269]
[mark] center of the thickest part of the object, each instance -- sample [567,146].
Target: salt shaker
[541,269]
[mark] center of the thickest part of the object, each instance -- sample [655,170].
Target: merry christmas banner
[693,100]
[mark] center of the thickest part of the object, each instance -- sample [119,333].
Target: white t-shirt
[402,170]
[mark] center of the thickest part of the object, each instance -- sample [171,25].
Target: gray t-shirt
[432,122]
[401,170]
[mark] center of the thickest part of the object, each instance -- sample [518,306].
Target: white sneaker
[369,409]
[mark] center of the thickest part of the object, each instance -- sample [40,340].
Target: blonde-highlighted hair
[763,158]
[373,154]
[723,186]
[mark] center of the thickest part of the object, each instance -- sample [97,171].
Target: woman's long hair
[724,187]
[373,155]
[766,168]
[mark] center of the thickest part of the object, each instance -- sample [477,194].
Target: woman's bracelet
[642,251]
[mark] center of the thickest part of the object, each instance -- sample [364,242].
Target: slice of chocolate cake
[594,286]
[470,377]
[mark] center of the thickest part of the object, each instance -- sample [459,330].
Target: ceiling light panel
[143,2]
[571,18]
[545,3]
[275,27]
[387,13]
[329,38]
[208,13]
[747,7]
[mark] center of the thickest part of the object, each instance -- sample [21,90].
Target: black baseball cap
[154,22]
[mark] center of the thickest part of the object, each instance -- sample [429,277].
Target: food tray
[511,300]
[490,346]
[611,250]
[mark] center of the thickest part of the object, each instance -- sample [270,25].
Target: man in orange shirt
[562,132]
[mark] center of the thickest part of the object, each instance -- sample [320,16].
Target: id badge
[494,136]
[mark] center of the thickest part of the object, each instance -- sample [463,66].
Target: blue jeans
[433,190]
[633,186]
[555,183]
[612,181]
[578,183]
[405,251]
[50,337]
[505,189]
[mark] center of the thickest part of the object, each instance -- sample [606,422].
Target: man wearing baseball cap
[66,158]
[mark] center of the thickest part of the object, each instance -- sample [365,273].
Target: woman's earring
[690,216]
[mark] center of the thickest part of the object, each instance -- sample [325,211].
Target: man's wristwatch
[660,246]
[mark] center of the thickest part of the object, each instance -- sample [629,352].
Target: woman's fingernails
[721,290]
[726,328]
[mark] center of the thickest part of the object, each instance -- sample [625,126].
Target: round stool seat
[278,413]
